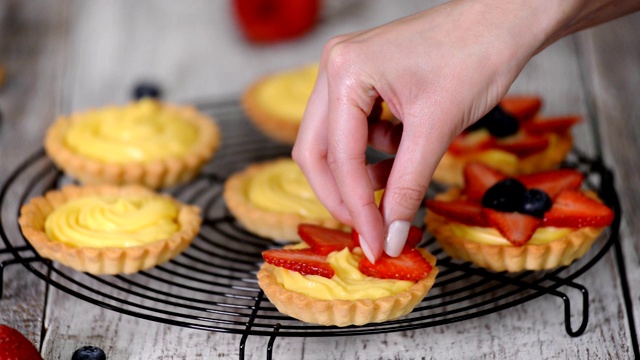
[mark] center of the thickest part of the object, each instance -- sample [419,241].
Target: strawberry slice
[471,142]
[553,182]
[478,178]
[556,125]
[304,261]
[14,345]
[574,209]
[523,107]
[324,241]
[516,227]
[413,239]
[523,144]
[410,265]
[460,210]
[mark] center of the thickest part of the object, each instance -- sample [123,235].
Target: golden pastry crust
[154,174]
[450,169]
[110,260]
[560,252]
[344,312]
[277,226]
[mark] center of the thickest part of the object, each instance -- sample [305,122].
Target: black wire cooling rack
[212,285]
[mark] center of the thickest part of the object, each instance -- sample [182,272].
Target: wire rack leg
[243,340]
[567,307]
[272,339]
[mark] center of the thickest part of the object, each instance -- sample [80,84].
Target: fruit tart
[272,198]
[146,142]
[327,280]
[108,229]
[528,222]
[511,138]
[276,102]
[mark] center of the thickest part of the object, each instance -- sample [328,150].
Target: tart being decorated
[328,281]
[106,229]
[276,102]
[272,198]
[146,142]
[528,222]
[511,138]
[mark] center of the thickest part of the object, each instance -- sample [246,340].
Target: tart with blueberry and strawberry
[528,222]
[512,138]
[327,280]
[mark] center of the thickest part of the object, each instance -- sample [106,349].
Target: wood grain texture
[72,55]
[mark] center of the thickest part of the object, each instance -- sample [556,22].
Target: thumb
[420,151]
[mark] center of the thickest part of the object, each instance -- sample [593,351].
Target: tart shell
[110,260]
[154,174]
[344,312]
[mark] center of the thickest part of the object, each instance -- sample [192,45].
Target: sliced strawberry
[414,238]
[324,241]
[524,108]
[554,181]
[471,142]
[14,345]
[556,125]
[516,227]
[304,261]
[478,178]
[523,144]
[460,210]
[410,265]
[574,209]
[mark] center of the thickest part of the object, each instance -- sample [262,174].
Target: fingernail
[396,237]
[367,250]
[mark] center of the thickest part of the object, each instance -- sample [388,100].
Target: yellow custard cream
[491,236]
[113,221]
[348,283]
[285,94]
[139,132]
[282,187]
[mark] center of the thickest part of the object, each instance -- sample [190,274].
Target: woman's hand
[438,71]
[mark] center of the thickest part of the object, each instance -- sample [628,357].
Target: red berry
[523,144]
[461,210]
[469,143]
[274,20]
[14,345]
[554,181]
[324,241]
[304,261]
[574,209]
[516,227]
[478,178]
[556,125]
[410,265]
[524,108]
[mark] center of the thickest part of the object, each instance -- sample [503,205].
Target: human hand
[439,71]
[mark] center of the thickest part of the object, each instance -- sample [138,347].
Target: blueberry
[89,353]
[480,124]
[535,203]
[146,89]
[505,195]
[499,123]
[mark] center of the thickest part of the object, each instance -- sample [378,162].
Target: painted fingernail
[367,250]
[396,237]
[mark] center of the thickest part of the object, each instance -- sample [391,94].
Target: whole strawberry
[14,346]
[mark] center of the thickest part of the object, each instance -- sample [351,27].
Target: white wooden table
[64,55]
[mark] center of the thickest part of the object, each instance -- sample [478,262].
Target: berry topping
[553,182]
[471,142]
[535,203]
[413,238]
[524,108]
[89,353]
[556,125]
[146,89]
[463,211]
[515,227]
[574,209]
[14,345]
[324,241]
[304,261]
[523,144]
[265,21]
[410,265]
[478,178]
[498,122]
[506,195]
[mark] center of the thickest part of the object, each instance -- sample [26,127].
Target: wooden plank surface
[72,55]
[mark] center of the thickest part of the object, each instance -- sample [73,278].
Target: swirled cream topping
[139,132]
[285,94]
[348,283]
[282,187]
[491,236]
[113,221]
